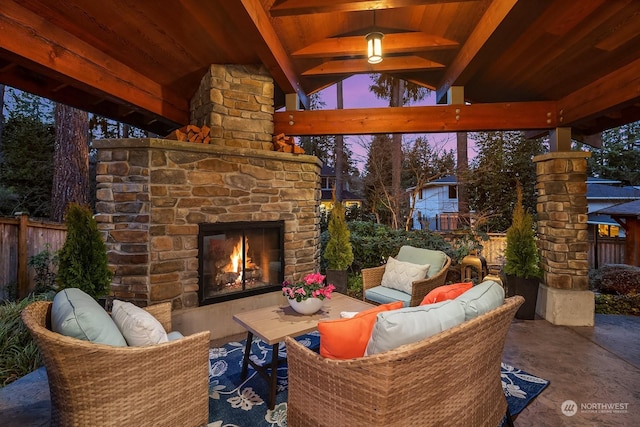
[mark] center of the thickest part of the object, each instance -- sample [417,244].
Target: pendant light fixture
[374,44]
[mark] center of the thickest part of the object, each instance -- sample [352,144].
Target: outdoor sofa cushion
[138,326]
[436,259]
[481,299]
[446,292]
[410,324]
[347,338]
[76,314]
[400,275]
[383,295]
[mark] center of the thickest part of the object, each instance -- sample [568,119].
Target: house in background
[602,194]
[436,205]
[328,183]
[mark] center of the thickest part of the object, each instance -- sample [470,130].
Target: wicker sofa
[452,378]
[98,385]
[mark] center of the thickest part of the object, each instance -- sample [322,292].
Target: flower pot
[339,279]
[528,288]
[306,306]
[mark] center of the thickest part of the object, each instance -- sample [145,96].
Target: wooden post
[23,278]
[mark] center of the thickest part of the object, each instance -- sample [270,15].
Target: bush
[83,261]
[616,279]
[19,354]
[373,243]
[617,288]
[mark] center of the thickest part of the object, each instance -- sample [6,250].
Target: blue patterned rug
[237,403]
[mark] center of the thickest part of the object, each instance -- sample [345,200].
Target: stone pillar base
[565,306]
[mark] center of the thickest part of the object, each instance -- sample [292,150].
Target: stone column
[564,297]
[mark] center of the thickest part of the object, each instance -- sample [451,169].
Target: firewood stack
[285,144]
[191,133]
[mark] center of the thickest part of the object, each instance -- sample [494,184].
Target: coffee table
[273,324]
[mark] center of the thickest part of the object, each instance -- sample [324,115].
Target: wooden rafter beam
[621,87]
[393,43]
[429,119]
[49,47]
[306,7]
[251,13]
[361,66]
[495,14]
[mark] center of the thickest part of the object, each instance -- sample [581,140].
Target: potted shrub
[338,252]
[83,259]
[522,265]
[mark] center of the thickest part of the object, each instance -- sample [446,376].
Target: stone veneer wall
[236,102]
[562,219]
[153,193]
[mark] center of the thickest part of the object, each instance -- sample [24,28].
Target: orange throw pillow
[348,338]
[446,292]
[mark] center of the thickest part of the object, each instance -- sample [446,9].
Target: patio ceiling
[528,64]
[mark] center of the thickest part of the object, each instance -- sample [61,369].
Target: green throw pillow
[76,314]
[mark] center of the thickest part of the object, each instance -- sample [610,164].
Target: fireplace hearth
[239,259]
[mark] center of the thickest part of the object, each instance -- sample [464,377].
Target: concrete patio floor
[592,366]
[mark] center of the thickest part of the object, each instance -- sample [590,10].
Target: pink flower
[311,286]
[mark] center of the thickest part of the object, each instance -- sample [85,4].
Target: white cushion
[138,326]
[481,298]
[400,275]
[411,324]
[76,314]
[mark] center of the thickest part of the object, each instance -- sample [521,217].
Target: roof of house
[631,209]
[611,192]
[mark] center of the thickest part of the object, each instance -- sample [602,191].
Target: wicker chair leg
[509,419]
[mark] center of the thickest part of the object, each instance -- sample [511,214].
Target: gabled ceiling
[140,61]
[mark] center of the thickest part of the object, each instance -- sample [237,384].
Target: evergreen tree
[71,160]
[521,252]
[26,169]
[83,259]
[619,156]
[504,158]
[338,253]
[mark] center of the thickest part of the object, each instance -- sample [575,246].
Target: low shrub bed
[617,288]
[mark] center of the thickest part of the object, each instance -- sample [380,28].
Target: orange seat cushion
[348,338]
[446,292]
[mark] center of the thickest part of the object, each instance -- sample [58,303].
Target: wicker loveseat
[452,378]
[98,385]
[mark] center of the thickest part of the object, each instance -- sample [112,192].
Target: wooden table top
[272,324]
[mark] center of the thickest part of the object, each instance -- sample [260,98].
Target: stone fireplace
[154,196]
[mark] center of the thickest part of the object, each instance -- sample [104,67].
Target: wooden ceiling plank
[429,119]
[619,88]
[36,40]
[361,66]
[393,43]
[306,7]
[272,54]
[495,14]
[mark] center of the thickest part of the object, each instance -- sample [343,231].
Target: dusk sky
[356,94]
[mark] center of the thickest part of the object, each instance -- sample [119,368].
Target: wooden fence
[21,238]
[604,251]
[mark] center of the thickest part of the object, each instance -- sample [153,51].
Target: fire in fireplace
[240,259]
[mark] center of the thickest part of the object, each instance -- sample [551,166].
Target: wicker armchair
[372,277]
[98,385]
[452,378]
